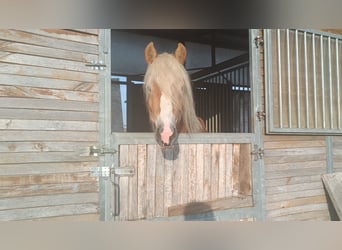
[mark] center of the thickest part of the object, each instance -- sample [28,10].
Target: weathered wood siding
[216,175]
[293,169]
[48,110]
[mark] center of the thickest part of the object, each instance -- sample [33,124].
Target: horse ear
[150,53]
[180,53]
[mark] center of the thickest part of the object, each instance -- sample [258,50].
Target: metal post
[105,121]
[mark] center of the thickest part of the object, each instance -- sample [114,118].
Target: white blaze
[166,117]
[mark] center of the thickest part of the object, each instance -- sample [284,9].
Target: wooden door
[202,175]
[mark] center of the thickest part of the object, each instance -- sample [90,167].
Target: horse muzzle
[166,136]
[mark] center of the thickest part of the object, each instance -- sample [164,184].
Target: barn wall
[293,169]
[48,110]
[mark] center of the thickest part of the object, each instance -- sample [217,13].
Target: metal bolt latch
[96,151]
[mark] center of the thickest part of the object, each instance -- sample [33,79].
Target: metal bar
[314,78]
[105,184]
[289,77]
[330,86]
[322,82]
[297,81]
[307,108]
[338,85]
[280,94]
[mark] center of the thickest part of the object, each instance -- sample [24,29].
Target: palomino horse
[169,97]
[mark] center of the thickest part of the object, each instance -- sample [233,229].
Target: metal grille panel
[223,100]
[302,69]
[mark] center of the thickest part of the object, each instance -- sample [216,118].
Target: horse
[168,96]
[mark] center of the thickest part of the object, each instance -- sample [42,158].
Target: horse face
[163,117]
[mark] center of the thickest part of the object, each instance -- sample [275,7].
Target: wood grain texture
[192,174]
[49,110]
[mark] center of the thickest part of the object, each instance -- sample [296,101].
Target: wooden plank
[184,168]
[207,172]
[46,179]
[159,180]
[177,179]
[168,181]
[294,151]
[297,202]
[222,171]
[278,167]
[16,124]
[294,144]
[333,185]
[133,183]
[48,200]
[293,195]
[317,215]
[208,206]
[22,48]
[199,172]
[51,42]
[29,147]
[83,36]
[294,173]
[49,211]
[42,93]
[269,183]
[69,218]
[294,158]
[31,157]
[278,138]
[192,172]
[49,104]
[150,181]
[28,114]
[42,168]
[48,136]
[48,189]
[294,187]
[215,154]
[297,209]
[142,179]
[27,70]
[245,170]
[44,62]
[48,83]
[229,170]
[235,170]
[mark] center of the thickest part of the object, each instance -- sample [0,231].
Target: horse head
[168,93]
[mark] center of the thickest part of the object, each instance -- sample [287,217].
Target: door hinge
[96,151]
[96,65]
[258,41]
[261,115]
[258,153]
[126,171]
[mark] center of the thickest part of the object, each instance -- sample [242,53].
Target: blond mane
[173,81]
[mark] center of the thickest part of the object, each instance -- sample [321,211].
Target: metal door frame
[107,184]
